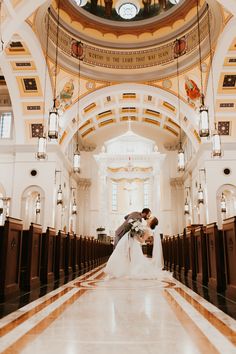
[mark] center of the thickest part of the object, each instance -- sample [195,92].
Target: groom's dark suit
[126,226]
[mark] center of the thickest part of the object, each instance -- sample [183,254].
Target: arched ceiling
[151,111]
[25,64]
[143,55]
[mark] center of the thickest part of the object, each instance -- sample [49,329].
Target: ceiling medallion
[127,9]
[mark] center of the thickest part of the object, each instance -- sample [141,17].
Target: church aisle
[95,315]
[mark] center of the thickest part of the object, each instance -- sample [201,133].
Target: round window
[226,171]
[33,173]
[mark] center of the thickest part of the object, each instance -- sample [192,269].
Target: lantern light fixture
[1,205]
[74,208]
[53,119]
[223,203]
[186,207]
[59,195]
[186,204]
[180,155]
[38,205]
[76,160]
[216,141]
[204,130]
[200,195]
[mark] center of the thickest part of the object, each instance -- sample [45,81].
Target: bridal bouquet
[137,228]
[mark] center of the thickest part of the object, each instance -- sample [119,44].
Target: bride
[128,260]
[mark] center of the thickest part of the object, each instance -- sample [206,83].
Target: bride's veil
[157,254]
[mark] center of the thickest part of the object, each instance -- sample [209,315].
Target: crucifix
[130,191]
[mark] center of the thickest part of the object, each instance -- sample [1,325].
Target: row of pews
[30,258]
[204,254]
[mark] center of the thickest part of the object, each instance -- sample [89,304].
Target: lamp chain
[211,59]
[199,46]
[45,73]
[177,66]
[57,42]
[1,40]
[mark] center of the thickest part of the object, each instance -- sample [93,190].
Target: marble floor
[92,314]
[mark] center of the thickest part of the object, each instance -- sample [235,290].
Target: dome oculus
[127,9]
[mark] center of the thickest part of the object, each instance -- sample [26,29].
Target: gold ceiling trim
[85,124]
[171,130]
[127,59]
[87,132]
[126,118]
[90,107]
[151,121]
[172,122]
[129,179]
[129,169]
[106,122]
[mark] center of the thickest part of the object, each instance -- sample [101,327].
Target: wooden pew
[201,255]
[179,254]
[48,255]
[229,236]
[185,255]
[69,253]
[31,257]
[75,264]
[190,242]
[59,269]
[10,257]
[215,258]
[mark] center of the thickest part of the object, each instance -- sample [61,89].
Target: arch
[28,205]
[229,5]
[141,90]
[17,15]
[229,191]
[29,37]
[223,45]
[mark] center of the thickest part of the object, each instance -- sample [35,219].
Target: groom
[126,226]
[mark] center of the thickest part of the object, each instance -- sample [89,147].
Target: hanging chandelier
[200,195]
[181,159]
[76,160]
[74,208]
[76,156]
[42,140]
[186,207]
[1,205]
[180,156]
[223,203]
[42,148]
[38,205]
[204,130]
[59,195]
[53,120]
[216,141]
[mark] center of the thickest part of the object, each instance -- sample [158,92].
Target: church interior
[109,107]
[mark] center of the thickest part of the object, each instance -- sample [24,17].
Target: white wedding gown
[128,260]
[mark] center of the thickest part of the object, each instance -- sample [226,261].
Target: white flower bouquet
[137,229]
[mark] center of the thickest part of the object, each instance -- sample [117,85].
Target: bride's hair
[153,223]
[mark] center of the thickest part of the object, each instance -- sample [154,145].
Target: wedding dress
[128,260]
